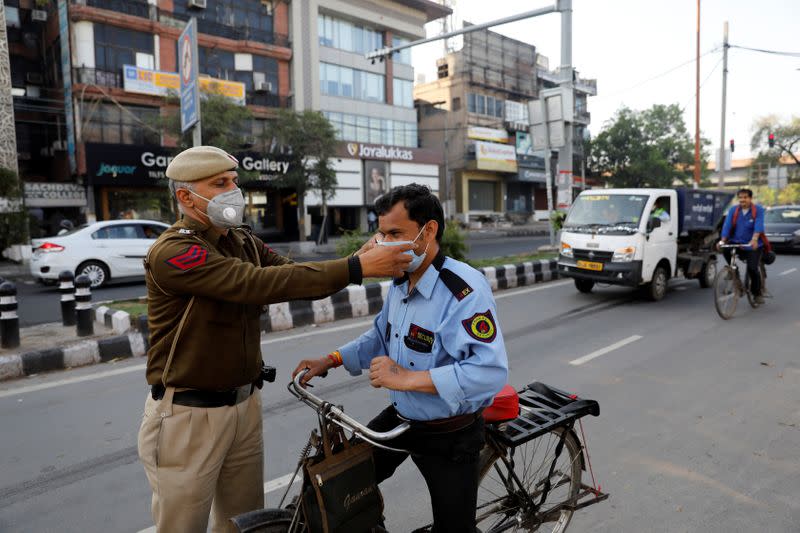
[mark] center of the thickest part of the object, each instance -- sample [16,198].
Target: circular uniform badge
[480,326]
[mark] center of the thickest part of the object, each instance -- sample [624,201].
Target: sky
[625,44]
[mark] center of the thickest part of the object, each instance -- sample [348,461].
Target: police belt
[444,425]
[202,398]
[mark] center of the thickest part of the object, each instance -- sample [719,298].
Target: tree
[650,148]
[787,138]
[310,142]
[13,217]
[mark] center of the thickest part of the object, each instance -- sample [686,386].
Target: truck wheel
[657,288]
[584,285]
[708,274]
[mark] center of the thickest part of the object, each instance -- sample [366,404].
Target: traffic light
[771,140]
[732,146]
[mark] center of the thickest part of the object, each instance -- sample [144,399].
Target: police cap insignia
[480,326]
[193,257]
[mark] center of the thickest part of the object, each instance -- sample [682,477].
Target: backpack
[762,237]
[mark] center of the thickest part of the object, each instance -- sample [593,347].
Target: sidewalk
[10,270]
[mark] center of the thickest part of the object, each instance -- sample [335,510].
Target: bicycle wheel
[265,521]
[505,504]
[726,294]
[750,298]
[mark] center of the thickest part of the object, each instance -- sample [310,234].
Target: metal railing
[136,8]
[267,99]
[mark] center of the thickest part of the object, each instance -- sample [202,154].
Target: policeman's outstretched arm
[384,261]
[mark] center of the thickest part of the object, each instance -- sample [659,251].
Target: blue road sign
[188,67]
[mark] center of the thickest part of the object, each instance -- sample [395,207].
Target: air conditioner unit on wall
[39,14]
[34,77]
[264,87]
[60,145]
[200,4]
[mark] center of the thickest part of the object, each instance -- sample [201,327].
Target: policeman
[200,439]
[437,346]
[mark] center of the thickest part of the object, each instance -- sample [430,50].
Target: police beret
[200,162]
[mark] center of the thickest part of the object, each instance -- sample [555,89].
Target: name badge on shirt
[419,339]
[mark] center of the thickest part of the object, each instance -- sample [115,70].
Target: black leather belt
[445,425]
[202,398]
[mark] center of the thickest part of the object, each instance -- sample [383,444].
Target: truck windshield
[606,213]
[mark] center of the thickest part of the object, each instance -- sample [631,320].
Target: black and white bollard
[83,306]
[9,321]
[66,287]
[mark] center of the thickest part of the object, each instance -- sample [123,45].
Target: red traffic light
[771,140]
[732,146]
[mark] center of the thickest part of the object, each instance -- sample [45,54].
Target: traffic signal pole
[721,168]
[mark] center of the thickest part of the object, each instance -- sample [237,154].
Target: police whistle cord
[597,488]
[9,320]
[83,306]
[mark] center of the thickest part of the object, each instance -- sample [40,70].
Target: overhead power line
[765,51]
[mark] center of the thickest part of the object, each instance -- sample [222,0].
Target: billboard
[376,180]
[524,144]
[494,156]
[487,134]
[159,83]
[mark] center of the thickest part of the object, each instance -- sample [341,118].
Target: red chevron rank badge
[193,257]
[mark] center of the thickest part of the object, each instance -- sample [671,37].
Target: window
[472,107]
[216,63]
[403,56]
[235,19]
[480,106]
[498,108]
[403,93]
[345,35]
[484,105]
[120,231]
[373,130]
[114,47]
[456,105]
[152,231]
[335,80]
[134,125]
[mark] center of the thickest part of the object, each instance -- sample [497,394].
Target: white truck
[642,237]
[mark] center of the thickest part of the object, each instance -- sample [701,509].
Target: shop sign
[531,175]
[38,194]
[494,156]
[388,153]
[524,144]
[120,164]
[268,167]
[487,134]
[159,83]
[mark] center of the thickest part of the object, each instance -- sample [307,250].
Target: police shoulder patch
[481,327]
[456,284]
[186,231]
[193,257]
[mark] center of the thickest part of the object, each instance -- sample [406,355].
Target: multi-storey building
[105,67]
[477,112]
[369,103]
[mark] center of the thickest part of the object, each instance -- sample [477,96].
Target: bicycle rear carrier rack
[542,409]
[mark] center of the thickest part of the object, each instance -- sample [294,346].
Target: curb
[118,321]
[352,302]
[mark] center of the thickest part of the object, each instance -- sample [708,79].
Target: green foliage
[650,148]
[9,184]
[787,138]
[557,219]
[350,242]
[13,229]
[453,241]
[789,195]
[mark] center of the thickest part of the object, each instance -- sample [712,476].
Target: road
[699,426]
[39,304]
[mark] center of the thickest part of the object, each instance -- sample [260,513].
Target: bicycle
[515,492]
[728,285]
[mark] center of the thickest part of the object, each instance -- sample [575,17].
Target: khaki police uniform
[200,439]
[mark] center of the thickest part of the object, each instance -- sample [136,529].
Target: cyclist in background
[744,224]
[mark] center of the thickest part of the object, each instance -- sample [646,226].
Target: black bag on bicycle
[340,493]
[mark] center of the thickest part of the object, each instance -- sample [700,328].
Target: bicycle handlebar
[339,415]
[733,245]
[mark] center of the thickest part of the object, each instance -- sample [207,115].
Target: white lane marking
[603,351]
[269,486]
[788,272]
[316,331]
[70,381]
[508,294]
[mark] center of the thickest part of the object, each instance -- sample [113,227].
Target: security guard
[437,346]
[200,439]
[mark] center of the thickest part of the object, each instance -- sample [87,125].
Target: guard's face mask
[225,210]
[416,260]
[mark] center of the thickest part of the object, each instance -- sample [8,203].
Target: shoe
[759,300]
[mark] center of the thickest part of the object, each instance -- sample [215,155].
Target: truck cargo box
[701,210]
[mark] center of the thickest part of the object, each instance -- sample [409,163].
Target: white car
[103,251]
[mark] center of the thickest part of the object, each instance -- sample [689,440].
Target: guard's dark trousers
[447,461]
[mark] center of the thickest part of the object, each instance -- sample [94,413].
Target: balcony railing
[267,99]
[93,76]
[136,8]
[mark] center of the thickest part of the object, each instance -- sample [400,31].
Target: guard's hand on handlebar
[316,367]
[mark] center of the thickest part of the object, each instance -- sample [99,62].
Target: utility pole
[565,154]
[721,168]
[697,107]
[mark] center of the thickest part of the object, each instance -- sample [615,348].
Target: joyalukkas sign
[388,153]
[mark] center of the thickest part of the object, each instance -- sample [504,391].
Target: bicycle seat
[505,406]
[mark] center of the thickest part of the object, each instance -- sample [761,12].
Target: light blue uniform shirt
[448,326]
